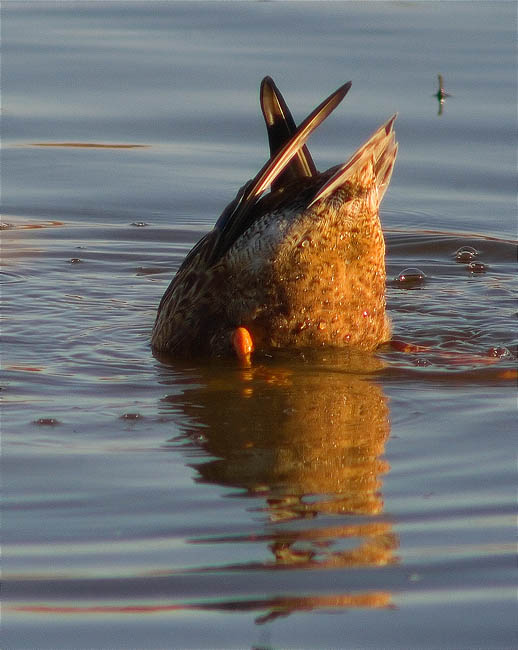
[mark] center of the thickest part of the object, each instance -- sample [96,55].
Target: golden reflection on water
[277,607]
[305,443]
[308,442]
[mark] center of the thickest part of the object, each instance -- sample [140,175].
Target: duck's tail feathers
[378,154]
[280,126]
[238,215]
[277,163]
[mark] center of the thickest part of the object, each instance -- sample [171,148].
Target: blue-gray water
[315,502]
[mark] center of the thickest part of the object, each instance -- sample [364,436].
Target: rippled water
[328,500]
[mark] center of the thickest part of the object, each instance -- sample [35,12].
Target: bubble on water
[75,260]
[410,277]
[477,267]
[466,254]
[131,416]
[47,422]
[422,363]
[499,353]
[139,224]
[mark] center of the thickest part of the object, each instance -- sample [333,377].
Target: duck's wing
[280,126]
[239,215]
[378,154]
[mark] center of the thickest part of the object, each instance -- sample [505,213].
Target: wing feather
[239,215]
[280,126]
[380,148]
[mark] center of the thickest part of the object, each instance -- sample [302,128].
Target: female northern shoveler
[300,266]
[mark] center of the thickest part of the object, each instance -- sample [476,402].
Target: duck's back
[315,276]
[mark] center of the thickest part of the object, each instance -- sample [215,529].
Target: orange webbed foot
[243,345]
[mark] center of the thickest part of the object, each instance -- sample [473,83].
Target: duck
[297,258]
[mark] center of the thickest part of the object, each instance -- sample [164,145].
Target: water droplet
[47,422]
[139,224]
[75,260]
[305,242]
[466,254]
[322,325]
[365,313]
[410,276]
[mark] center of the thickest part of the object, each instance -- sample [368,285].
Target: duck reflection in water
[305,441]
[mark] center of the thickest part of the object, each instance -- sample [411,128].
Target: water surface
[323,500]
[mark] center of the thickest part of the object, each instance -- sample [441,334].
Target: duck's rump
[312,277]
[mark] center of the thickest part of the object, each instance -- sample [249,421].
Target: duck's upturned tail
[372,162]
[280,127]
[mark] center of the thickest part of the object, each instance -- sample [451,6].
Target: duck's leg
[243,345]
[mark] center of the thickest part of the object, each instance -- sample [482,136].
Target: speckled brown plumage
[300,266]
